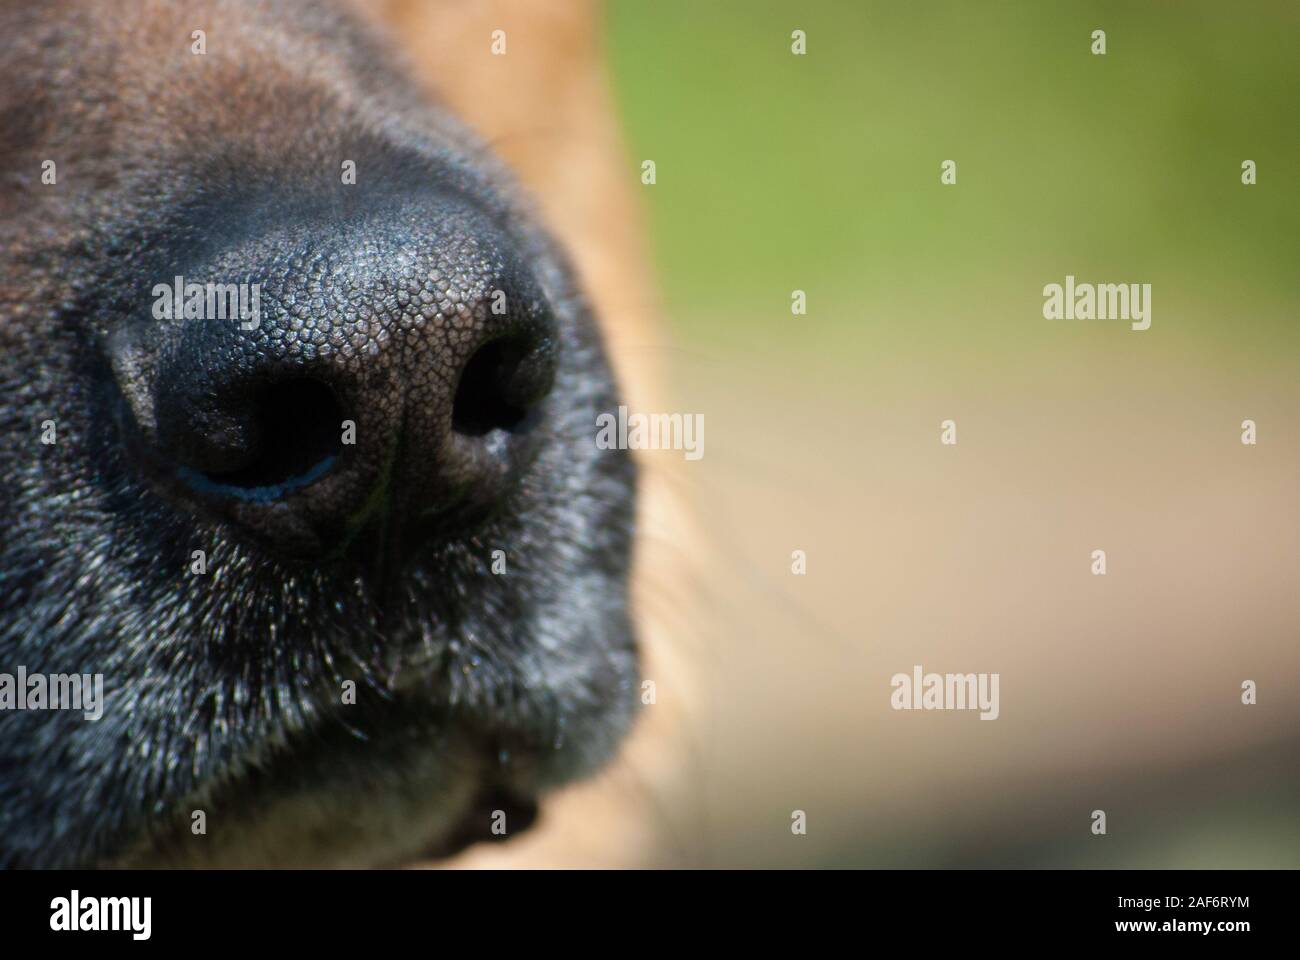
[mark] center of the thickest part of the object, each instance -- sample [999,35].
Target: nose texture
[390,365]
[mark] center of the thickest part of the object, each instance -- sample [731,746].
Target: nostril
[297,431]
[489,396]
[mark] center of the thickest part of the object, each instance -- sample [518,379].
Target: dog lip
[504,781]
[476,826]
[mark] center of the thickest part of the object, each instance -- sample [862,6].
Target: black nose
[322,373]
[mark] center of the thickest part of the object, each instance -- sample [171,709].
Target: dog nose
[391,364]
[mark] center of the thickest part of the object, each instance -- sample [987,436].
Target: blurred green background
[821,173]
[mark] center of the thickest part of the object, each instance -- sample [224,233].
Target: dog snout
[393,364]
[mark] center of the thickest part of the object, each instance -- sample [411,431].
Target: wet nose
[313,376]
